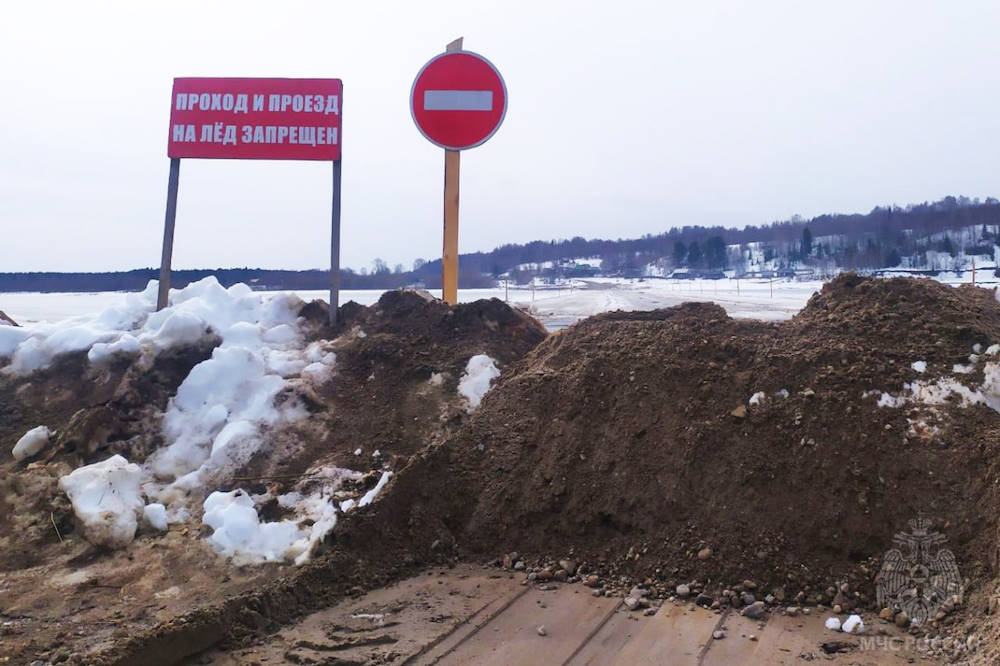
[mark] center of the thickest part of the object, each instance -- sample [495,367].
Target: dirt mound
[399,363]
[639,440]
[393,390]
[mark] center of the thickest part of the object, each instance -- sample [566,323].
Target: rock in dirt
[6,321]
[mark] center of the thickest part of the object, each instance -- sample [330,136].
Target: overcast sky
[625,118]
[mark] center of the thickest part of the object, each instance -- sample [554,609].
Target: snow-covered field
[757,299]
[557,306]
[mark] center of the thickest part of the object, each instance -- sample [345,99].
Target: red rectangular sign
[256,119]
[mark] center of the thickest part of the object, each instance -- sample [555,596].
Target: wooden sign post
[449,253]
[458,101]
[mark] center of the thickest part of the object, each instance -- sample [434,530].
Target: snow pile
[479,373]
[133,325]
[218,413]
[216,421]
[239,533]
[221,415]
[33,348]
[31,443]
[106,500]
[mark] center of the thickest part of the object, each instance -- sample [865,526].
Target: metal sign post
[254,119]
[335,246]
[168,233]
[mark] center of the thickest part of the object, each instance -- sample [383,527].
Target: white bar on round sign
[458,100]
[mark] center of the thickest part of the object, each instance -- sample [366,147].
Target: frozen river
[557,307]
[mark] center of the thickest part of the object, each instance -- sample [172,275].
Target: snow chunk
[38,352]
[919,366]
[155,516]
[238,532]
[962,369]
[370,496]
[479,374]
[853,624]
[783,393]
[31,443]
[106,500]
[757,398]
[126,344]
[992,350]
[833,623]
[217,412]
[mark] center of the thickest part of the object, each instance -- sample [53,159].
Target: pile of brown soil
[94,412]
[395,385]
[628,439]
[393,389]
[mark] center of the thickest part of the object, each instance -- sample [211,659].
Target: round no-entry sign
[458,100]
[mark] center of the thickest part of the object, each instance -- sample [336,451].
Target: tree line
[924,235]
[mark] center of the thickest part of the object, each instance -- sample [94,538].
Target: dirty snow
[213,424]
[939,391]
[31,443]
[479,374]
[239,533]
[106,500]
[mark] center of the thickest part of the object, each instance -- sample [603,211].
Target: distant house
[697,273]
